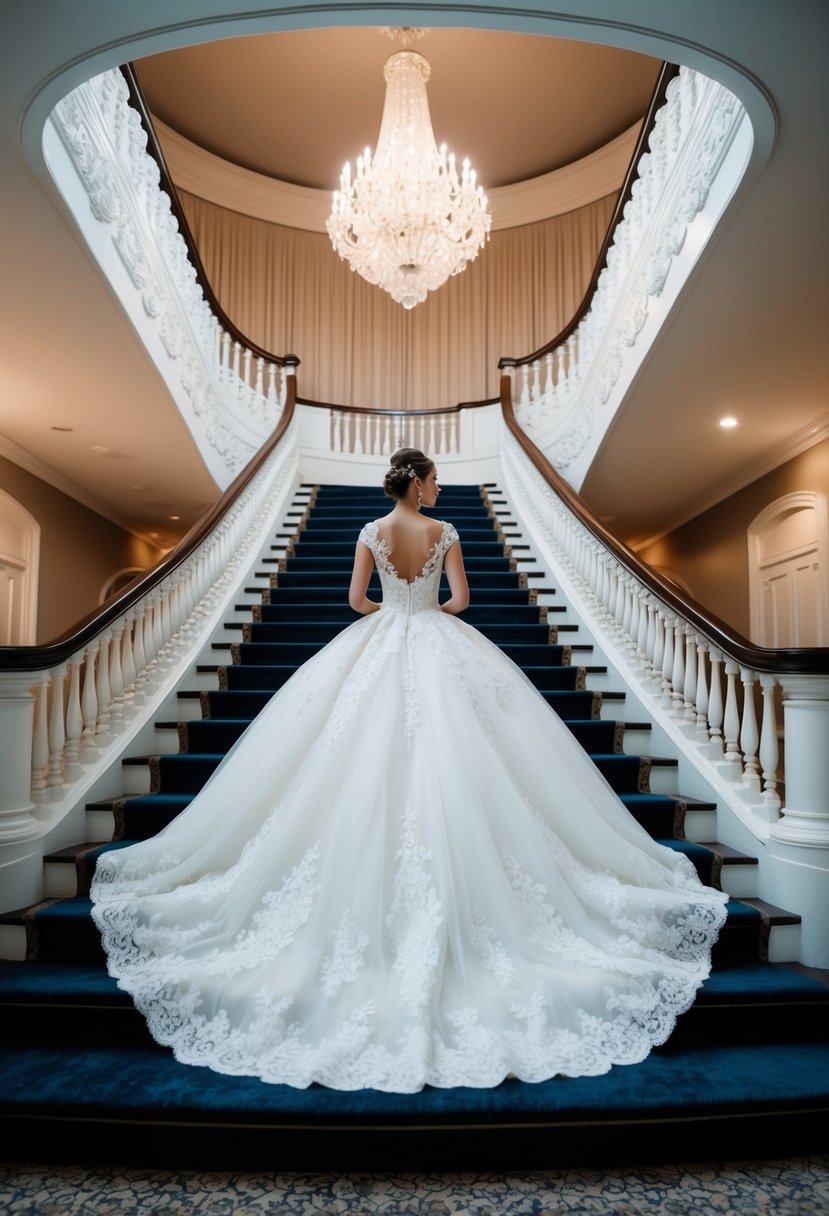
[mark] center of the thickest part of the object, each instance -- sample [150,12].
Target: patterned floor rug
[790,1187]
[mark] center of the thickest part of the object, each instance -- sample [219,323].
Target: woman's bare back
[409,542]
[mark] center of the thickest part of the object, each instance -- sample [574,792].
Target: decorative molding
[228,414]
[219,181]
[569,400]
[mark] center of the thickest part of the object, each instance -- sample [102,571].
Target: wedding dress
[406,873]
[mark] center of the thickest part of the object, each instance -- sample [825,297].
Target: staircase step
[755,1038]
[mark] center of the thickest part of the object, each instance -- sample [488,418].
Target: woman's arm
[360,575]
[455,573]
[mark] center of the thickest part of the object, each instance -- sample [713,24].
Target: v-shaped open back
[400,594]
[408,574]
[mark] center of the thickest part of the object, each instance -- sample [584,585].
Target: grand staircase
[746,1071]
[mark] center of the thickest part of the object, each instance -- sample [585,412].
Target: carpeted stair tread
[147,1085]
[97,1060]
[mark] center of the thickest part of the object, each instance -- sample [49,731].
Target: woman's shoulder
[368,533]
[448,533]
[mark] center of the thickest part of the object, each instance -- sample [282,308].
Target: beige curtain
[289,292]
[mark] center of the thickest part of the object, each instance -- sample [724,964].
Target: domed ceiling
[295,106]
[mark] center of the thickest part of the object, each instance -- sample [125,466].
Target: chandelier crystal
[407,220]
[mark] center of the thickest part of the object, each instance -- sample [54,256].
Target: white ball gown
[406,873]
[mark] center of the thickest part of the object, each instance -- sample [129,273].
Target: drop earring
[419,500]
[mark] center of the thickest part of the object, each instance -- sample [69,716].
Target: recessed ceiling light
[101,448]
[728,423]
[63,428]
[174,517]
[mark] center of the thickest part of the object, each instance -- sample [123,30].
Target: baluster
[630,610]
[237,354]
[749,735]
[359,422]
[128,661]
[525,386]
[769,751]
[689,689]
[245,373]
[644,632]
[678,671]
[40,741]
[116,678]
[89,705]
[701,695]
[549,382]
[224,357]
[454,433]
[272,394]
[731,723]
[57,728]
[442,433]
[104,692]
[149,630]
[715,707]
[658,649]
[667,660]
[72,769]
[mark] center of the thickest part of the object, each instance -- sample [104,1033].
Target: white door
[12,602]
[19,562]
[791,595]
[788,572]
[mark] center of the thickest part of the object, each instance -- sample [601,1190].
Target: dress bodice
[399,595]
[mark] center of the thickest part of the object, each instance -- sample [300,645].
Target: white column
[16,727]
[805,818]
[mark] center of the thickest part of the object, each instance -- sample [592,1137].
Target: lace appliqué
[344,959]
[489,950]
[414,918]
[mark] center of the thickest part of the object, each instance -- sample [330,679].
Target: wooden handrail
[791,660]
[139,103]
[666,75]
[43,657]
[390,413]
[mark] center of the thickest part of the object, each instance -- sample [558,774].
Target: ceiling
[296,106]
[747,336]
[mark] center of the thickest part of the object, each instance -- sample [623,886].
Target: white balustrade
[725,709]
[378,434]
[59,724]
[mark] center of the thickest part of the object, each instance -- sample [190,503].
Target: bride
[406,872]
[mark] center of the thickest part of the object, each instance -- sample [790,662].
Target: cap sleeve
[368,535]
[450,536]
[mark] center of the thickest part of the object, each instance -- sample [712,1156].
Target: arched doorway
[19,566]
[788,546]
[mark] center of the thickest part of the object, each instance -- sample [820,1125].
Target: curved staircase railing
[62,704]
[720,690]
[692,152]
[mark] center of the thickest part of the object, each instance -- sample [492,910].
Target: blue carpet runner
[747,1068]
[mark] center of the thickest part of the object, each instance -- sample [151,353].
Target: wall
[79,550]
[288,291]
[709,554]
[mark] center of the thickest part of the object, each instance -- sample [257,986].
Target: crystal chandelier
[407,220]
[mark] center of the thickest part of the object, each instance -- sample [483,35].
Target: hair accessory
[402,468]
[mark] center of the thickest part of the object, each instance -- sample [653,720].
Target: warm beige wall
[710,552]
[287,290]
[79,550]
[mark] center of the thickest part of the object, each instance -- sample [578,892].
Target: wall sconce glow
[728,423]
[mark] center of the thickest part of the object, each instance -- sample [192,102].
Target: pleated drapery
[288,291]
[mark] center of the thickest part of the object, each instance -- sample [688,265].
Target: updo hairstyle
[406,464]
